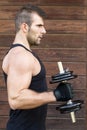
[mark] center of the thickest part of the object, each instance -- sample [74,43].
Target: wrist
[52,96]
[57,95]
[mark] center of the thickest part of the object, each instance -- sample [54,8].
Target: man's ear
[24,27]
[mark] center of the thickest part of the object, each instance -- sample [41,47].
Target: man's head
[25,15]
[32,17]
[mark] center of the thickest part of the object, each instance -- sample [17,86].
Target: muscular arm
[20,73]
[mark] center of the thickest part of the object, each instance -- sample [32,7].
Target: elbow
[13,104]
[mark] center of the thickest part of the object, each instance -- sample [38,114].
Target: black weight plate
[67,108]
[63,79]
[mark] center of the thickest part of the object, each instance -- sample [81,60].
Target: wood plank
[11,12]
[3,52]
[66,26]
[51,41]
[43,2]
[79,68]
[3,96]
[85,2]
[78,84]
[51,112]
[6,40]
[64,41]
[80,94]
[65,12]
[53,12]
[7,27]
[65,124]
[54,124]
[4,109]
[62,2]
[2,82]
[52,26]
[19,2]
[55,55]
[3,122]
[70,55]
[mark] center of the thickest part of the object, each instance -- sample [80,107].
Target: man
[25,74]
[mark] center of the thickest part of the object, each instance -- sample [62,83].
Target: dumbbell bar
[62,77]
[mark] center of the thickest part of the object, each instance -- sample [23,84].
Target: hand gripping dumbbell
[70,106]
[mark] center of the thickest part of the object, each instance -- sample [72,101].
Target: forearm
[28,99]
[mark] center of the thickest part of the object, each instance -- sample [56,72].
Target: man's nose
[43,30]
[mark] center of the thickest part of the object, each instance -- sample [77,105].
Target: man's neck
[21,39]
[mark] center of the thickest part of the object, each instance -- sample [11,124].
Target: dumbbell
[70,106]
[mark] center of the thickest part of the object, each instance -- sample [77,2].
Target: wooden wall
[65,41]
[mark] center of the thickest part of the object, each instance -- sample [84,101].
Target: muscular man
[25,74]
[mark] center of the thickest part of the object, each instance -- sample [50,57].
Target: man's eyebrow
[40,24]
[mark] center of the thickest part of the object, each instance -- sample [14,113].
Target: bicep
[19,78]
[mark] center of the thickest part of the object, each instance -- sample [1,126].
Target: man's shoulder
[21,57]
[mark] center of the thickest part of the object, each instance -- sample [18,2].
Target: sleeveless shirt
[30,119]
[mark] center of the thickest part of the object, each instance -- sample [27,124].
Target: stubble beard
[32,42]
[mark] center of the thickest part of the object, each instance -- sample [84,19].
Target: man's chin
[35,44]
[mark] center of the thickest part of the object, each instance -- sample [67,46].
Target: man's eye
[39,25]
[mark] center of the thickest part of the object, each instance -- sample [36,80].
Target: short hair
[24,15]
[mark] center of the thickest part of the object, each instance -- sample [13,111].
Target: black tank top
[30,119]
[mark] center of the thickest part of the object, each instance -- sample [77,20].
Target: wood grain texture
[44,2]
[63,2]
[66,124]
[66,41]
[78,68]
[52,12]
[52,26]
[52,112]
[51,41]
[55,54]
[78,84]
[4,109]
[54,124]
[65,12]
[77,93]
[19,2]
